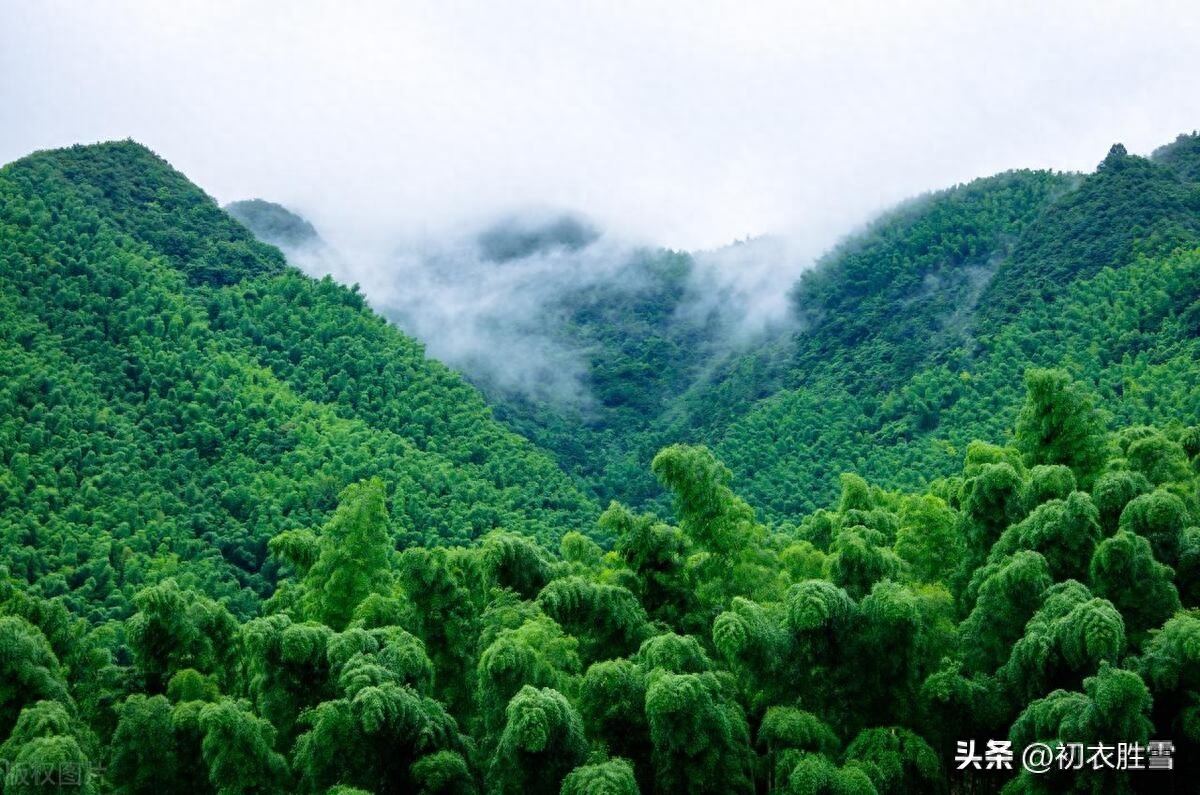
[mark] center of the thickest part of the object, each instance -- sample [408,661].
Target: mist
[489,300]
[681,124]
[405,131]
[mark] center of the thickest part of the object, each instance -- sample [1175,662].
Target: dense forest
[914,335]
[254,540]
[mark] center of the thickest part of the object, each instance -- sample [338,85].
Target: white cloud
[682,123]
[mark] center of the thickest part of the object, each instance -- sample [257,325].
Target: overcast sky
[687,124]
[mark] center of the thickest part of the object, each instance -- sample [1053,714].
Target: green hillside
[173,396]
[912,337]
[1100,281]
[253,541]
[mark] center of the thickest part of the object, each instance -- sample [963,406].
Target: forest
[254,540]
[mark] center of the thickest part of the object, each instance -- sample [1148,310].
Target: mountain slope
[177,442]
[874,311]
[904,330]
[173,393]
[899,406]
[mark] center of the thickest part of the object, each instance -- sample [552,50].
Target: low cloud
[492,301]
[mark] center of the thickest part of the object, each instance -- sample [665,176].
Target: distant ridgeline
[172,394]
[907,340]
[253,541]
[273,223]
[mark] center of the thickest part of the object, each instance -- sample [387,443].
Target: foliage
[253,541]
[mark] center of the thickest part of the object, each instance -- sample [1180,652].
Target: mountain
[899,403]
[905,341]
[517,238]
[174,396]
[273,223]
[253,540]
[890,359]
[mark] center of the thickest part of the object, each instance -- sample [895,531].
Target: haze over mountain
[274,224]
[254,539]
[620,399]
[493,301]
[585,343]
[668,124]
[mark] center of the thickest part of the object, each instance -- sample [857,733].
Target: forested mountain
[254,540]
[173,392]
[273,223]
[1101,280]
[907,340]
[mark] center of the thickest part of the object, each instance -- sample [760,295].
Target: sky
[684,124]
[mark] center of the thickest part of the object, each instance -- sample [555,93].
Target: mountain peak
[142,195]
[517,237]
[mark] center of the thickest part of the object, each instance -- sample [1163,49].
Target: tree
[1049,482]
[929,540]
[709,512]
[1059,425]
[993,497]
[514,561]
[700,738]
[612,702]
[915,627]
[286,669]
[720,524]
[1064,532]
[176,629]
[442,612]
[354,561]
[679,654]
[144,753]
[858,560]
[1125,572]
[1072,634]
[238,749]
[1114,703]
[656,553]
[1009,592]
[536,653]
[443,773]
[612,777]
[1170,665]
[47,741]
[1187,571]
[896,760]
[542,742]
[1161,460]
[607,618]
[757,647]
[376,735]
[29,671]
[785,729]
[814,774]
[1160,518]
[1113,491]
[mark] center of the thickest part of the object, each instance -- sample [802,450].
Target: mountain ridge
[176,365]
[895,313]
[255,540]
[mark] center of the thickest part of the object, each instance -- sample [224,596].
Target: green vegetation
[913,338]
[253,541]
[273,224]
[155,424]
